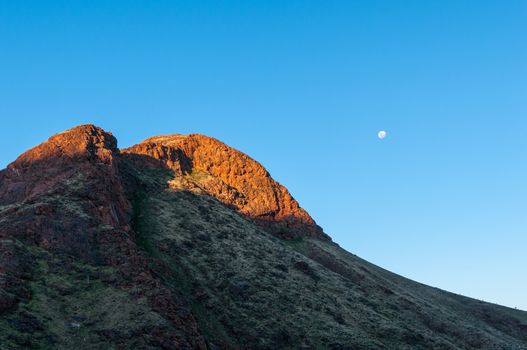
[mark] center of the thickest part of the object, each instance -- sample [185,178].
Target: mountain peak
[206,164]
[81,141]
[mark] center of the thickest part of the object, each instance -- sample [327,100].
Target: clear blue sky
[303,87]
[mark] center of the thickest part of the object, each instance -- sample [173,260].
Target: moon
[382,134]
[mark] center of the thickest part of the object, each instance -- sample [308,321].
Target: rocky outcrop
[208,165]
[65,197]
[72,177]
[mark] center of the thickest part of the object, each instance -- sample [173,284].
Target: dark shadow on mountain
[287,227]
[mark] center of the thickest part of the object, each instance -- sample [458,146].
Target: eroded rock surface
[206,164]
[65,198]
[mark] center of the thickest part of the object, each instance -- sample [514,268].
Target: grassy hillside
[102,249]
[249,289]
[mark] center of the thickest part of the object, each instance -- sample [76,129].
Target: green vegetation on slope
[251,289]
[87,286]
[75,306]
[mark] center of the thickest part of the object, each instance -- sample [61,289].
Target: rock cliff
[208,165]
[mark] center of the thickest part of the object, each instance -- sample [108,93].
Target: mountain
[181,242]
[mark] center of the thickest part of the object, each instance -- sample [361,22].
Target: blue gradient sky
[303,87]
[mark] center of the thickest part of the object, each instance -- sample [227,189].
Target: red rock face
[233,178]
[67,197]
[77,165]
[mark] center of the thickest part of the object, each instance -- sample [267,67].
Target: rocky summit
[182,242]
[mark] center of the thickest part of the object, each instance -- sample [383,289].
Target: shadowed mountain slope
[204,163]
[182,242]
